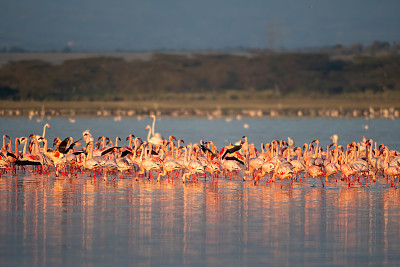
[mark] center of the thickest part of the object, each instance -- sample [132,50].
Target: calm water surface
[58,221]
[221,131]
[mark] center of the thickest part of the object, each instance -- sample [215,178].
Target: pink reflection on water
[69,221]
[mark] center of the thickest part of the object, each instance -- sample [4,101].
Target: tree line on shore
[167,76]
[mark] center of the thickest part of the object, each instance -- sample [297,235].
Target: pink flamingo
[193,166]
[315,171]
[284,171]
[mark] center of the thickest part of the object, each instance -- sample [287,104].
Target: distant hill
[118,76]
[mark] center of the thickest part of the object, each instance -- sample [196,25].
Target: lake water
[222,131]
[58,221]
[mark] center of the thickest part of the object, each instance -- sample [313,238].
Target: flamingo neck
[44,130]
[154,124]
[148,135]
[16,147]
[26,142]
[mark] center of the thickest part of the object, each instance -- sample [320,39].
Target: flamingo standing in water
[88,162]
[315,171]
[168,167]
[254,165]
[231,164]
[331,167]
[213,167]
[110,164]
[347,169]
[297,163]
[268,166]
[193,166]
[148,163]
[391,171]
[284,171]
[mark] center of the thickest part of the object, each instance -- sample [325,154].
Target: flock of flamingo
[168,159]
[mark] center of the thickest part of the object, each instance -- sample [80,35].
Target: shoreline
[290,107]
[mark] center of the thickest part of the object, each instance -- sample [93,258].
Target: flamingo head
[86,132]
[130,137]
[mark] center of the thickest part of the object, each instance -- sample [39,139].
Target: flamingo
[391,171]
[148,163]
[10,157]
[89,163]
[231,164]
[157,135]
[213,167]
[110,165]
[331,167]
[155,140]
[55,156]
[268,166]
[168,167]
[254,165]
[284,171]
[3,162]
[193,166]
[122,163]
[298,164]
[317,154]
[315,171]
[346,168]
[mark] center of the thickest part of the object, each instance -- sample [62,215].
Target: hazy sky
[203,24]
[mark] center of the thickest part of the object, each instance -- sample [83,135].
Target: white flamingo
[153,139]
[158,135]
[43,134]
